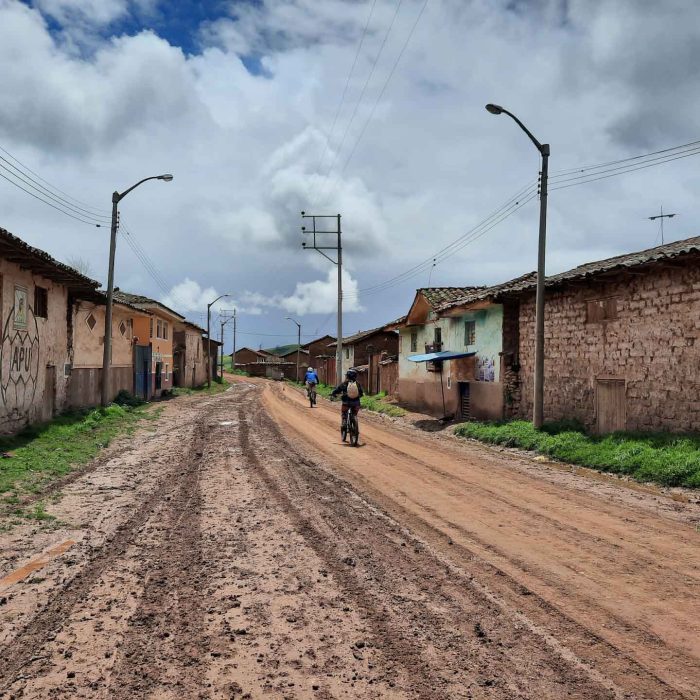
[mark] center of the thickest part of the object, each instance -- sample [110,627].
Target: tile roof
[139,300]
[528,281]
[441,295]
[360,335]
[17,251]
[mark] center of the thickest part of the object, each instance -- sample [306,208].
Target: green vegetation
[217,386]
[282,349]
[671,460]
[45,452]
[376,403]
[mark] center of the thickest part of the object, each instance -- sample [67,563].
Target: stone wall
[653,346]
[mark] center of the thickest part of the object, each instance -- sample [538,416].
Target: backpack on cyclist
[353,390]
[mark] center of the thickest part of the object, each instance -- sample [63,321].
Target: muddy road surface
[240,550]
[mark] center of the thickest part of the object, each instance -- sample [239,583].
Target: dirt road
[241,551]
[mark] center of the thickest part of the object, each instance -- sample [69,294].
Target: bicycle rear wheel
[354,429]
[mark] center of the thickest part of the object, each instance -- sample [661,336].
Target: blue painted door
[142,371]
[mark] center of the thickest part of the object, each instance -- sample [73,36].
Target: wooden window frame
[414,340]
[41,301]
[602,310]
[469,333]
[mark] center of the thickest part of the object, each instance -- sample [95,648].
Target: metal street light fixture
[107,355]
[543,148]
[209,305]
[288,318]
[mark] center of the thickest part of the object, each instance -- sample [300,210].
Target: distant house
[246,356]
[322,357]
[189,355]
[291,356]
[622,342]
[358,347]
[154,360]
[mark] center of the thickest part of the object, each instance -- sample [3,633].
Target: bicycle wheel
[311,398]
[354,430]
[344,428]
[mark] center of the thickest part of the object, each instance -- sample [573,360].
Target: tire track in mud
[582,641]
[449,640]
[24,650]
[163,645]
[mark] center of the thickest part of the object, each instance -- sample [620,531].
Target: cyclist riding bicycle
[310,379]
[351,393]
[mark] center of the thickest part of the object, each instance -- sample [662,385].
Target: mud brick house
[246,356]
[357,348]
[88,327]
[153,362]
[322,357]
[189,355]
[37,294]
[291,356]
[622,342]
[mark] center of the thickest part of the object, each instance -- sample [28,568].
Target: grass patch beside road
[42,453]
[671,460]
[216,388]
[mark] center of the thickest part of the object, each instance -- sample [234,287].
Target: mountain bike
[311,393]
[350,426]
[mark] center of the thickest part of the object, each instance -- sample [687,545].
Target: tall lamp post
[298,342]
[107,355]
[543,148]
[209,305]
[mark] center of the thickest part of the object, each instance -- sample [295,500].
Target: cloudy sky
[373,109]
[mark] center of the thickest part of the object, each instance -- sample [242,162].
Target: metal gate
[142,372]
[465,401]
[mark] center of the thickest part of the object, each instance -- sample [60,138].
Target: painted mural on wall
[486,369]
[19,356]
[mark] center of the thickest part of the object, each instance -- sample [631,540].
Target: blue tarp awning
[442,355]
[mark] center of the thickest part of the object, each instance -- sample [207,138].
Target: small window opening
[41,302]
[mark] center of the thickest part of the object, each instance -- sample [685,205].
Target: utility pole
[107,350]
[209,366]
[661,218]
[233,354]
[543,148]
[226,319]
[298,343]
[338,248]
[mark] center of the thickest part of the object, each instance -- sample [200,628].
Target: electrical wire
[379,97]
[345,89]
[359,100]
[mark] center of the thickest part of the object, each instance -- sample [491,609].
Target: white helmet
[311,369]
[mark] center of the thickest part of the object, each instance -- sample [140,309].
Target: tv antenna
[661,218]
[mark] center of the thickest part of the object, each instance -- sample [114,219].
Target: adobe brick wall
[654,345]
[384,341]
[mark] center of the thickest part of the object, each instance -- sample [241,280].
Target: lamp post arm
[120,196]
[538,145]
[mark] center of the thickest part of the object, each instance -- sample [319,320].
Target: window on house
[599,310]
[151,332]
[159,329]
[469,332]
[437,335]
[414,341]
[41,302]
[91,321]
[347,353]
[122,329]
[165,330]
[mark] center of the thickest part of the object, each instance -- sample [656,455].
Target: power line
[381,93]
[345,89]
[362,94]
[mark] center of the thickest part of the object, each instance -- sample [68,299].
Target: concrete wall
[653,346]
[34,351]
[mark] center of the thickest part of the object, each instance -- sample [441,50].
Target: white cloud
[188,296]
[321,296]
[245,146]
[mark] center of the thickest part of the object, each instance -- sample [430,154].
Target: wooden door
[611,414]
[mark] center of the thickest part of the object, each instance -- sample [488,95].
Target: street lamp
[543,148]
[209,336]
[298,342]
[107,356]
